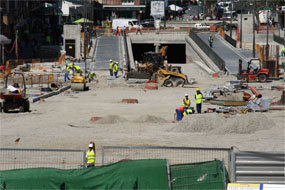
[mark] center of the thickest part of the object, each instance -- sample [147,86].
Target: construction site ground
[63,121]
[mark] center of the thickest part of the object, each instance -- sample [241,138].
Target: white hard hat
[111,60]
[90,145]
[186,95]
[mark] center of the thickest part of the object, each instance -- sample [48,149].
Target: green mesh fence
[202,175]
[136,174]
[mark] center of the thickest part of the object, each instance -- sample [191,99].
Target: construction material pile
[224,124]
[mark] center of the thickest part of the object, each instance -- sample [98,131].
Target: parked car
[201,26]
[147,23]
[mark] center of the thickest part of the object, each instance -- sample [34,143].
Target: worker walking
[115,69]
[211,40]
[186,101]
[198,100]
[90,155]
[283,52]
[111,67]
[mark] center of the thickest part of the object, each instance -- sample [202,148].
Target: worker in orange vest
[179,112]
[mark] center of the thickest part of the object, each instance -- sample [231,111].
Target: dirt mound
[111,119]
[224,124]
[150,119]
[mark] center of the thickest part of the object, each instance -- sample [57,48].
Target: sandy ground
[63,121]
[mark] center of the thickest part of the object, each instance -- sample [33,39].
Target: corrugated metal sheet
[258,167]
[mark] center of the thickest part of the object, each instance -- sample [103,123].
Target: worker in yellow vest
[198,100]
[115,69]
[76,68]
[90,155]
[111,67]
[186,101]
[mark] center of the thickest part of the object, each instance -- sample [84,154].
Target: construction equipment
[152,65]
[78,82]
[254,72]
[171,76]
[14,100]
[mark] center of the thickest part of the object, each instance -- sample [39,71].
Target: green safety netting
[133,174]
[201,175]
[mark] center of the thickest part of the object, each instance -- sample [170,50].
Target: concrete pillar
[156,48]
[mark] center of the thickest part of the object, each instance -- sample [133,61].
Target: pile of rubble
[235,97]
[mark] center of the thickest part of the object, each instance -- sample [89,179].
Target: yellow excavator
[171,76]
[168,76]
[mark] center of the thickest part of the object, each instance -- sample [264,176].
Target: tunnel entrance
[175,52]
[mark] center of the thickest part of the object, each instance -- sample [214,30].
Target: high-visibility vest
[283,50]
[181,109]
[210,39]
[187,112]
[198,98]
[69,65]
[115,68]
[111,65]
[77,67]
[90,157]
[186,103]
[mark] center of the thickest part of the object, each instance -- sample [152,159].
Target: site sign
[157,8]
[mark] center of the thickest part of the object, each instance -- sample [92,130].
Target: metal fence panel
[208,51]
[16,158]
[278,39]
[258,167]
[174,155]
[230,40]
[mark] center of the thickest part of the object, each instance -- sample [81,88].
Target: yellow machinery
[171,76]
[78,82]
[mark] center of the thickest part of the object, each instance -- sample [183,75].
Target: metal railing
[208,51]
[258,167]
[17,158]
[278,39]
[230,40]
[174,155]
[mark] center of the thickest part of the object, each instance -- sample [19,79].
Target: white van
[127,22]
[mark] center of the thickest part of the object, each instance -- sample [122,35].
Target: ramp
[228,54]
[107,47]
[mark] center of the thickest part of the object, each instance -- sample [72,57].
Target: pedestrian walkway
[107,47]
[228,54]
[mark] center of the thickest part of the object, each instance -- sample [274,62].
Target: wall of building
[73,32]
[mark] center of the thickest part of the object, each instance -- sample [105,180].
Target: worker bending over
[198,100]
[182,111]
[90,155]
[186,101]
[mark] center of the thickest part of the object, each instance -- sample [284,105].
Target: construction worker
[111,67]
[180,112]
[283,52]
[115,69]
[91,76]
[76,68]
[211,40]
[90,155]
[187,112]
[198,100]
[186,101]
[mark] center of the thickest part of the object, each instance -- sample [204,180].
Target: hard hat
[90,145]
[186,95]
[198,89]
[111,60]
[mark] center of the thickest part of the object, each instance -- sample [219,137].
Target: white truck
[201,26]
[125,22]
